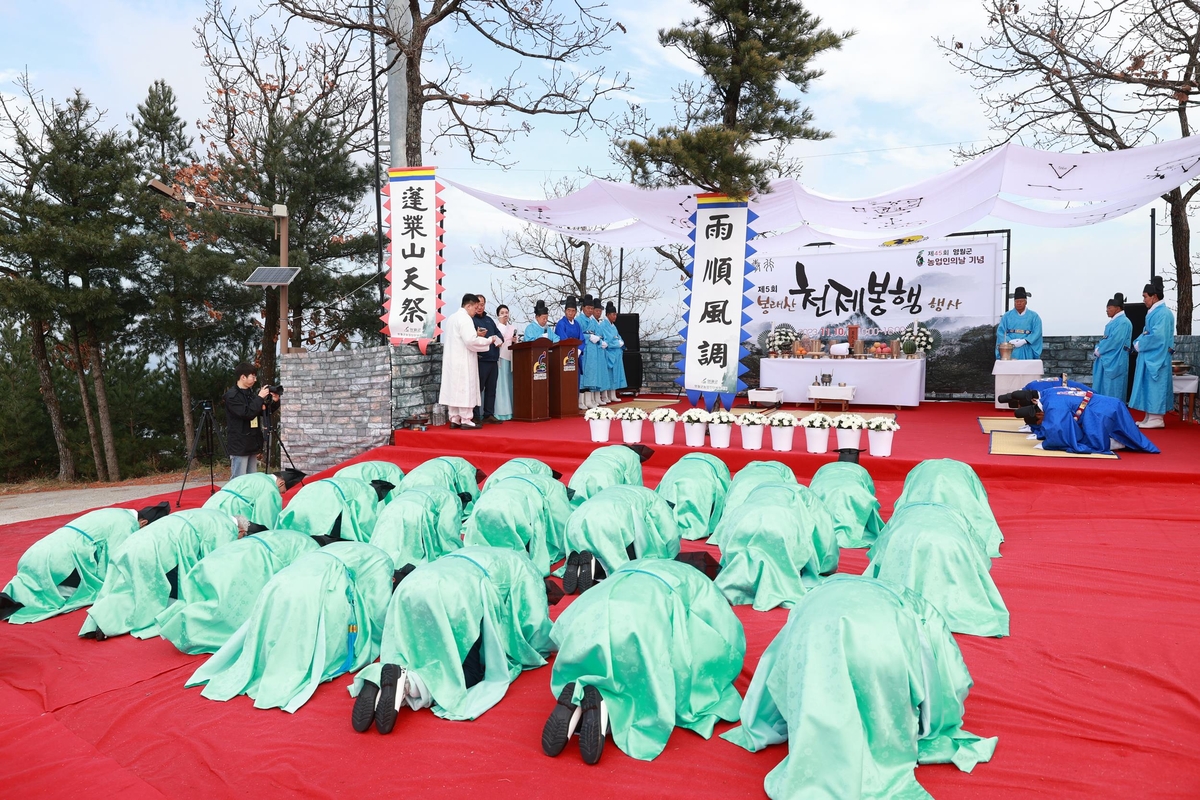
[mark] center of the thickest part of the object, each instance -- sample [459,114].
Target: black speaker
[627,328]
[633,370]
[1136,312]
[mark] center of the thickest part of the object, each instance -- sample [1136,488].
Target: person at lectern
[1152,379]
[460,362]
[1022,328]
[540,327]
[1110,372]
[570,328]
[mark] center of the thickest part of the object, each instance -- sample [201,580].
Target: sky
[896,106]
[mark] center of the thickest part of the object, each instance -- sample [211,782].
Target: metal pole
[1007,265]
[620,278]
[283,293]
[1151,244]
[378,170]
[400,22]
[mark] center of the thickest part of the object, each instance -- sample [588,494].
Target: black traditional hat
[571,302]
[154,513]
[1021,294]
[1117,300]
[588,302]
[643,452]
[540,308]
[1154,287]
[1028,414]
[611,308]
[254,527]
[290,477]
[382,488]
[848,454]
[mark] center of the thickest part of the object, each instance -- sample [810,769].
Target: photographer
[243,412]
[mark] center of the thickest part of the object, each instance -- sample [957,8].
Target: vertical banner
[413,309]
[712,333]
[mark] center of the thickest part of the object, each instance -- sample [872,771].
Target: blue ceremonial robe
[1027,326]
[614,355]
[567,329]
[534,331]
[1105,419]
[1152,391]
[1110,372]
[595,365]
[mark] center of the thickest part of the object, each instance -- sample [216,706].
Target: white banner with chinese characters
[712,335]
[412,312]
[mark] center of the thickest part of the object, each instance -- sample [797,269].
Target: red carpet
[1094,695]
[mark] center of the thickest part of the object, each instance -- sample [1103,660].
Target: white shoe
[1152,421]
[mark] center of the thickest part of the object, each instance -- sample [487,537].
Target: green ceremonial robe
[456,474]
[254,496]
[620,516]
[518,466]
[751,476]
[83,546]
[849,494]
[697,485]
[217,595]
[864,682]
[421,524]
[526,513]
[955,484]
[375,471]
[767,555]
[136,586]
[662,647]
[615,465]
[928,547]
[802,503]
[442,608]
[320,617]
[316,507]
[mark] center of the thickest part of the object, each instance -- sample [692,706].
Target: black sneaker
[391,695]
[562,722]
[588,567]
[593,725]
[364,707]
[571,573]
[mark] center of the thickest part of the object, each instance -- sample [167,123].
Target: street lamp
[264,277]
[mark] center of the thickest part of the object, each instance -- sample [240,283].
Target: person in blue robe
[587,329]
[1110,371]
[569,328]
[540,328]
[615,354]
[595,363]
[1152,390]
[1022,328]
[1073,418]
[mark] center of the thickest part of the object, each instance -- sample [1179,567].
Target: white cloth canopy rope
[1098,187]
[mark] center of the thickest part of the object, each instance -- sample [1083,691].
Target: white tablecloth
[831,393]
[1185,384]
[1013,375]
[877,381]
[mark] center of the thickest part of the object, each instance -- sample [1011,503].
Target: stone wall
[1073,355]
[658,366]
[416,379]
[335,405]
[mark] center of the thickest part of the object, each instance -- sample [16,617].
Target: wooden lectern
[531,380]
[564,378]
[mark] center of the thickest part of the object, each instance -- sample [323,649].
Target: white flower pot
[752,437]
[880,442]
[817,439]
[781,438]
[664,433]
[719,433]
[631,431]
[849,438]
[599,429]
[693,433]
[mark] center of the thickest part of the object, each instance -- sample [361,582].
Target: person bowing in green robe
[421,524]
[458,631]
[955,484]
[217,594]
[319,617]
[696,484]
[640,675]
[848,492]
[144,572]
[256,496]
[519,466]
[375,471]
[526,513]
[928,547]
[801,501]
[864,682]
[456,474]
[65,570]
[335,508]
[749,477]
[615,465]
[620,524]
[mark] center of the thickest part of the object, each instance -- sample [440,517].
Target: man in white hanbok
[461,346]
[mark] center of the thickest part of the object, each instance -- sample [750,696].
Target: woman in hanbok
[504,383]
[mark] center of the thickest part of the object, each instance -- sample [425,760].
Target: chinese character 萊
[413,226]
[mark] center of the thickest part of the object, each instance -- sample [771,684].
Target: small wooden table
[828,394]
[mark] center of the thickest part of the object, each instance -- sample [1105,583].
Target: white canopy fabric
[1093,187]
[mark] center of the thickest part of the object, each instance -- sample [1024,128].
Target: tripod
[207,431]
[271,433]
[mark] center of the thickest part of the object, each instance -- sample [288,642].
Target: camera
[205,405]
[277,389]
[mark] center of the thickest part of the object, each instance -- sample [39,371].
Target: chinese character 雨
[718,228]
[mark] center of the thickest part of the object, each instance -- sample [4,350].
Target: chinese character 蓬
[412,198]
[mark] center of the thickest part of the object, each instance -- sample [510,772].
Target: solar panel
[272,276]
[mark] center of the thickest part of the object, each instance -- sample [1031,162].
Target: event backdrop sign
[712,334]
[954,286]
[413,310]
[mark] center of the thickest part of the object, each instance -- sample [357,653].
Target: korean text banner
[412,311]
[712,345]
